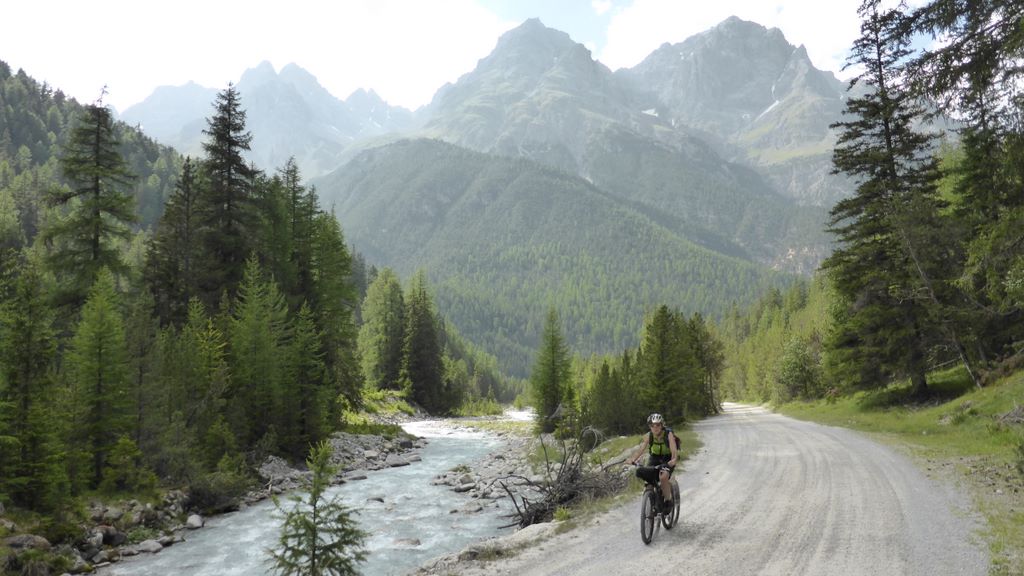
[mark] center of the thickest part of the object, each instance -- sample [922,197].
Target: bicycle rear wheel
[648,516]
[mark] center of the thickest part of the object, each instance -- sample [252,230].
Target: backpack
[650,440]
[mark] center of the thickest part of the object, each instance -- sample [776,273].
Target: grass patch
[973,434]
[480,407]
[386,402]
[362,424]
[510,427]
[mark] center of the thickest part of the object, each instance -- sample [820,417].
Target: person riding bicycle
[661,447]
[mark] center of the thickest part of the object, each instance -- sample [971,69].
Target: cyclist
[661,446]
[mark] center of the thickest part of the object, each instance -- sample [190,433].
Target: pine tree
[879,266]
[974,76]
[173,259]
[97,367]
[711,357]
[141,333]
[668,368]
[11,236]
[29,473]
[294,208]
[307,396]
[422,367]
[319,537]
[381,336]
[550,374]
[101,210]
[333,301]
[271,236]
[258,335]
[228,213]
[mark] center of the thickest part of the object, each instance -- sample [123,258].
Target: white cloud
[403,49]
[601,6]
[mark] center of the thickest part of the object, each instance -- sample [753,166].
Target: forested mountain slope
[35,120]
[503,239]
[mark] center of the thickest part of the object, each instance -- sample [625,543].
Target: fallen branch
[571,484]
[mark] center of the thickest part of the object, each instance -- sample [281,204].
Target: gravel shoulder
[767,495]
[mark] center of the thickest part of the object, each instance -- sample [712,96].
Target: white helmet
[655,419]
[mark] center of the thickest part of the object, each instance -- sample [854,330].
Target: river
[416,520]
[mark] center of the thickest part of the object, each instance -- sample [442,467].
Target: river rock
[22,541]
[394,461]
[149,546]
[195,522]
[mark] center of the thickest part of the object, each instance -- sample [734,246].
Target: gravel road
[769,495]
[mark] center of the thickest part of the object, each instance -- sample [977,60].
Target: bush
[480,407]
[124,470]
[221,490]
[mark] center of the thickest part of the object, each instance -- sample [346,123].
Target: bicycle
[652,508]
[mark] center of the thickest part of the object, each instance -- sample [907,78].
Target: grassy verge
[971,436]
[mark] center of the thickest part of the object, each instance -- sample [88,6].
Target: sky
[404,50]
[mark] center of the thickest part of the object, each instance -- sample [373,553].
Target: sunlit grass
[510,427]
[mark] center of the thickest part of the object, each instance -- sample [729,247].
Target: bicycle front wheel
[671,519]
[648,516]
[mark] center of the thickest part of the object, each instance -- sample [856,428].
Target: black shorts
[649,473]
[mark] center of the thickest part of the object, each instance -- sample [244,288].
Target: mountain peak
[261,74]
[532,32]
[295,73]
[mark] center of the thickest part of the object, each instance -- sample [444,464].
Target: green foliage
[220,490]
[36,122]
[668,369]
[124,471]
[381,336]
[319,536]
[776,347]
[386,402]
[798,373]
[100,208]
[333,302]
[228,214]
[258,335]
[612,403]
[174,254]
[97,370]
[562,514]
[675,372]
[307,399]
[422,371]
[31,473]
[550,376]
[883,267]
[479,407]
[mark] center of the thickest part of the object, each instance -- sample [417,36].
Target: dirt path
[769,495]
